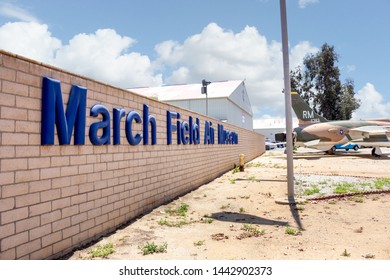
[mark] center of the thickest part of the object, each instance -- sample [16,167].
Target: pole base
[290,200]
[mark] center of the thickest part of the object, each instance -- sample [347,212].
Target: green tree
[319,85]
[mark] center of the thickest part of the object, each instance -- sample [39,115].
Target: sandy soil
[236,217]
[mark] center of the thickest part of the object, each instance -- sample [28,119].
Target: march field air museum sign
[73,120]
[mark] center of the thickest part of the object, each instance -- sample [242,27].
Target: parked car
[269,145]
[347,147]
[280,144]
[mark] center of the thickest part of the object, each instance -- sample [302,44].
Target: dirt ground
[236,217]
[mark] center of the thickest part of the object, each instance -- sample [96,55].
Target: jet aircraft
[314,131]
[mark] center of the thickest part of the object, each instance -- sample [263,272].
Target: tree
[319,85]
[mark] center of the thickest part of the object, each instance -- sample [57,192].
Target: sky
[138,43]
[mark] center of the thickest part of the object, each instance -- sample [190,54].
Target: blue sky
[148,43]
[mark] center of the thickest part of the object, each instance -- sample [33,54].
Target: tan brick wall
[58,197]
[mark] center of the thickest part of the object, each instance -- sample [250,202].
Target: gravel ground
[314,186]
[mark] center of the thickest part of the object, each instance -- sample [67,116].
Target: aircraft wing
[312,143]
[370,133]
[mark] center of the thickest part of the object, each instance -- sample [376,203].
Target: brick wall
[55,198]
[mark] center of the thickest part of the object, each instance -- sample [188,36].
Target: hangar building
[227,101]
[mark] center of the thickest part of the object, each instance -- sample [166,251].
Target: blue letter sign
[53,113]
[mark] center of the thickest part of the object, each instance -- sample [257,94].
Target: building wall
[55,198]
[219,108]
[241,98]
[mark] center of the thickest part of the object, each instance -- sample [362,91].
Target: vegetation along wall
[80,158]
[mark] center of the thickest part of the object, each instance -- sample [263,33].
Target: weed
[207,220]
[299,208]
[225,206]
[292,231]
[199,243]
[365,185]
[252,178]
[164,222]
[180,211]
[250,231]
[278,166]
[324,182]
[236,169]
[253,229]
[345,187]
[359,199]
[151,248]
[314,189]
[102,251]
[180,223]
[381,183]
[232,181]
[345,253]
[242,210]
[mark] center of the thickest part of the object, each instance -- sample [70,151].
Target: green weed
[250,231]
[199,243]
[151,248]
[102,251]
[180,211]
[381,183]
[291,231]
[232,181]
[345,187]
[314,189]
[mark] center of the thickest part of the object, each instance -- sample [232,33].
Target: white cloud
[303,3]
[372,105]
[105,57]
[217,54]
[298,52]
[30,39]
[11,11]
[214,54]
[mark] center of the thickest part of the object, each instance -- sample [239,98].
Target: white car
[269,145]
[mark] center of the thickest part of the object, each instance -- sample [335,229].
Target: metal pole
[287,95]
[207,105]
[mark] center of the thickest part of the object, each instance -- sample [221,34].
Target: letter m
[53,113]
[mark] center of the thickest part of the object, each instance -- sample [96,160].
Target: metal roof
[189,91]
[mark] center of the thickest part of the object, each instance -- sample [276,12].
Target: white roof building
[227,101]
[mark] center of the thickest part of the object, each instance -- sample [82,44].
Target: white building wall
[219,108]
[241,98]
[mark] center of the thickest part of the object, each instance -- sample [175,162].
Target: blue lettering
[104,139]
[133,140]
[53,113]
[118,115]
[170,127]
[195,131]
[208,133]
[185,131]
[226,136]
[149,119]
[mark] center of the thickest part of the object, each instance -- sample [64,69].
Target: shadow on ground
[235,217]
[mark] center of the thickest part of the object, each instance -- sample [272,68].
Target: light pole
[204,91]
[287,95]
